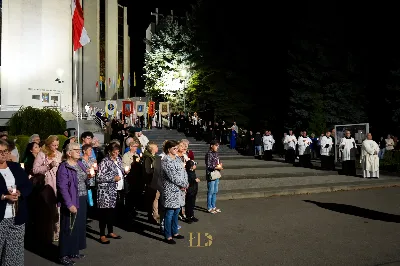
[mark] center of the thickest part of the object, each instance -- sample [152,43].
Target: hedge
[28,121]
[22,141]
[390,161]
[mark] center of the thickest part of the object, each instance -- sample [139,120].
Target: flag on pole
[134,79]
[97,86]
[129,80]
[123,76]
[80,36]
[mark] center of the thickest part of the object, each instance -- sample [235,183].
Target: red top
[190,154]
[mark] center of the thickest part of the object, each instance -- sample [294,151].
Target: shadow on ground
[357,211]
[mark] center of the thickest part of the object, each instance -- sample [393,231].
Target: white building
[36,50]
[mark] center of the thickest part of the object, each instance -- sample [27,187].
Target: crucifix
[156,14]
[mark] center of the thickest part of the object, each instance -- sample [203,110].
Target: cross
[156,14]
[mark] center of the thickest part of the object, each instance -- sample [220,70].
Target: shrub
[391,161]
[29,120]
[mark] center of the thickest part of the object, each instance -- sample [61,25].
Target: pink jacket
[41,166]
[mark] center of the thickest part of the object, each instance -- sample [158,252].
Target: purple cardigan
[67,185]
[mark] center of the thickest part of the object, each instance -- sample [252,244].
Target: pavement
[341,228]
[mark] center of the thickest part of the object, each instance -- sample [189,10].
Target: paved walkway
[343,228]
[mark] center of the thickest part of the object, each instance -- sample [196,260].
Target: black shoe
[170,241]
[79,256]
[179,237]
[194,219]
[188,220]
[66,261]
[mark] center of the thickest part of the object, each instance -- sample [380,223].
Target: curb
[247,176]
[273,192]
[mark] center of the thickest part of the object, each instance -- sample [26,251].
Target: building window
[102,24]
[120,86]
[35,97]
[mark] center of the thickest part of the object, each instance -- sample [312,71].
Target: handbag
[214,175]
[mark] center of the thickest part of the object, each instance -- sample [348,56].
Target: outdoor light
[183,73]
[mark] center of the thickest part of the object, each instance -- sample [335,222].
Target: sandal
[217,210]
[212,211]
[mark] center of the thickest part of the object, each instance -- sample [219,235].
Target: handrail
[10,107]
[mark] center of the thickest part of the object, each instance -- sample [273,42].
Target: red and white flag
[79,34]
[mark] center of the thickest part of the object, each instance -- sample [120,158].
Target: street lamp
[184,74]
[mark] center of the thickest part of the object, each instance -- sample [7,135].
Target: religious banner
[111,108]
[164,108]
[152,108]
[127,108]
[140,108]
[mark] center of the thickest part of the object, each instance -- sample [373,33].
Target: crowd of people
[51,194]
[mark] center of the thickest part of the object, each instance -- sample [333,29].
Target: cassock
[268,142]
[290,142]
[369,158]
[348,149]
[327,158]
[304,150]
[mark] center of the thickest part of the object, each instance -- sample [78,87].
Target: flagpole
[76,91]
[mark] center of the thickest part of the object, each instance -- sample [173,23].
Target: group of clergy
[347,148]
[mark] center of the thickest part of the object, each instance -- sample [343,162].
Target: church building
[37,66]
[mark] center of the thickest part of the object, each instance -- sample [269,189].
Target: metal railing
[10,107]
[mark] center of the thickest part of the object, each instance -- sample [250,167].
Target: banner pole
[76,92]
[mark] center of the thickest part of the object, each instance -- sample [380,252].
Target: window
[35,97]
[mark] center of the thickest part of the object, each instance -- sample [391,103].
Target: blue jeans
[212,187]
[257,150]
[381,153]
[171,222]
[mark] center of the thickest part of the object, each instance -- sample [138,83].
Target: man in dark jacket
[257,145]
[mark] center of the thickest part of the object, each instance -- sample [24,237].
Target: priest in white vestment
[268,141]
[304,149]
[290,141]
[348,148]
[369,157]
[327,148]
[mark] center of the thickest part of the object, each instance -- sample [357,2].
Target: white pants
[368,174]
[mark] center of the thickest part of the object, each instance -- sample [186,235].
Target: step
[299,189]
[243,163]
[263,173]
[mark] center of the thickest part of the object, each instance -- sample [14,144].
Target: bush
[391,161]
[28,121]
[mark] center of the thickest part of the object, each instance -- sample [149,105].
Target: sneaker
[194,219]
[66,261]
[179,227]
[170,241]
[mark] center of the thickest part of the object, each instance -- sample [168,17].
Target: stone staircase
[247,177]
[199,148]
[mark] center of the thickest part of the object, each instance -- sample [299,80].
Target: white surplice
[369,158]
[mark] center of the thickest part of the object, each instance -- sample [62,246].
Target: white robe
[268,142]
[291,142]
[326,151]
[348,148]
[304,145]
[369,158]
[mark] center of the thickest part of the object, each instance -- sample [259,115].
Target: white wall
[36,43]
[91,55]
[111,43]
[126,53]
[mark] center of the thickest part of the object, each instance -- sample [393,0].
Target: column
[111,44]
[126,54]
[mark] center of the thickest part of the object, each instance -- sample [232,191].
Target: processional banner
[140,108]
[127,108]
[164,108]
[111,108]
[152,108]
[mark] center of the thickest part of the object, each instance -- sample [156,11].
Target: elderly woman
[109,180]
[72,181]
[34,138]
[175,180]
[14,189]
[46,165]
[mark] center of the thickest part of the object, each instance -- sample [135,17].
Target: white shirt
[304,145]
[10,181]
[290,141]
[120,183]
[268,142]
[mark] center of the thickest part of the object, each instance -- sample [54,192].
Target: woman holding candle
[72,181]
[109,181]
[91,164]
[46,164]
[14,189]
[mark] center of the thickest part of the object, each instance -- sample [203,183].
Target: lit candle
[94,165]
[91,171]
[141,155]
[127,168]
[23,165]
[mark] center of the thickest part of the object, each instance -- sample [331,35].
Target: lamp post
[184,74]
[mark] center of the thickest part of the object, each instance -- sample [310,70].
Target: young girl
[191,192]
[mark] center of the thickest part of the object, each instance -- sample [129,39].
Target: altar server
[348,149]
[290,141]
[304,150]
[327,148]
[268,141]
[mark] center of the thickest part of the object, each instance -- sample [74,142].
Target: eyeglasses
[3,152]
